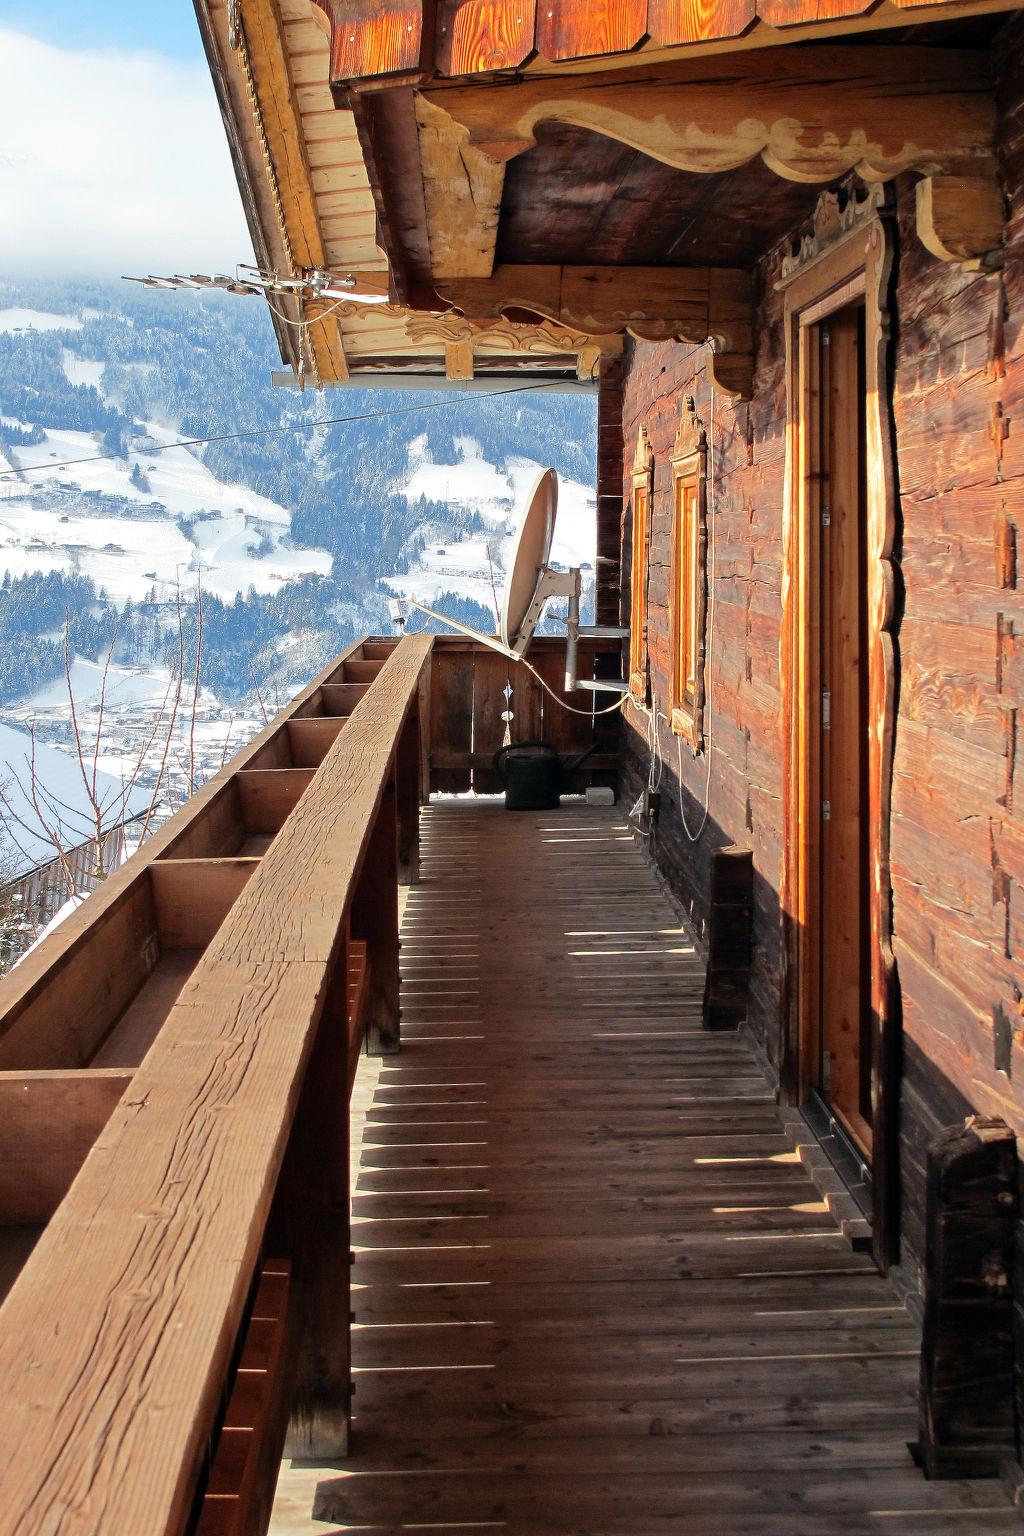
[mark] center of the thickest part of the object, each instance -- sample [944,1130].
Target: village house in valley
[376,1157]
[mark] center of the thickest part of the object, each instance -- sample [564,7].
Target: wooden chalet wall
[958,793]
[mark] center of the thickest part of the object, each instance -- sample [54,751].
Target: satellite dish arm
[464,629]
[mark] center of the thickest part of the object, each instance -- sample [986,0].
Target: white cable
[304,325]
[590,713]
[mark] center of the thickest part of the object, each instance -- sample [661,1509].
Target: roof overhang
[415,149]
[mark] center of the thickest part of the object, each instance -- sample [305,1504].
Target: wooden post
[967,1357]
[310,1219]
[375,920]
[730,927]
[408,773]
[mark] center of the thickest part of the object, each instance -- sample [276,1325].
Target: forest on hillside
[199,365]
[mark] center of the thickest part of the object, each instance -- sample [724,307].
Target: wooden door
[843,1040]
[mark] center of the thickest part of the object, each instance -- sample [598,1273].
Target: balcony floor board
[595,1291]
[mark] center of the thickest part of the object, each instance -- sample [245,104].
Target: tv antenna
[531,583]
[309,285]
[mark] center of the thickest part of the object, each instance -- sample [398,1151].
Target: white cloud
[112,163]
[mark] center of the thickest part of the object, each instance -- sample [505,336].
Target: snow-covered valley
[155,517]
[295,527]
[63,506]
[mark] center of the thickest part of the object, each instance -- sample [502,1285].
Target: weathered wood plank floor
[596,1293]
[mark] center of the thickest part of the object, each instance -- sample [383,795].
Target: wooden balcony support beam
[694,304]
[812,114]
[121,1332]
[375,921]
[49,1121]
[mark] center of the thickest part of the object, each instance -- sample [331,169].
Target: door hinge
[826,710]
[826,517]
[826,811]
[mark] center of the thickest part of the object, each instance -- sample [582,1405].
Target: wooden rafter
[280,165]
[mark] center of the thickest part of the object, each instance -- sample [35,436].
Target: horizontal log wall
[958,793]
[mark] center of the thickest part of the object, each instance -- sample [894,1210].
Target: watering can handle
[516,746]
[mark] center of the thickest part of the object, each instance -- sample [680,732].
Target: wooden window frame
[641,498]
[848,257]
[688,596]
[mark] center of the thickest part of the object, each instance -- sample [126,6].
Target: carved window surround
[642,488]
[847,257]
[689,589]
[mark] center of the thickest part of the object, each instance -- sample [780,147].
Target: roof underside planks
[327,216]
[360,170]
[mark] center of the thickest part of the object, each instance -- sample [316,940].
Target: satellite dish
[530,584]
[524,601]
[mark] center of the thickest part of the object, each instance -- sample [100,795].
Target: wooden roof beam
[812,114]
[693,304]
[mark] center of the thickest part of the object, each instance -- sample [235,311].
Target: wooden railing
[175,1068]
[176,1063]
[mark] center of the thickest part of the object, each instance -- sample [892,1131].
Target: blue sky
[163,26]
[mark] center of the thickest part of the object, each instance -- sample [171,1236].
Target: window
[643,462]
[688,592]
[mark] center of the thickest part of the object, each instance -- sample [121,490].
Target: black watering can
[534,775]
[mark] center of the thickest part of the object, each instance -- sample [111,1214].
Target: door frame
[848,257]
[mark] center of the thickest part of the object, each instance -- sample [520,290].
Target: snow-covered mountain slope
[301,516]
[474,567]
[119,688]
[174,522]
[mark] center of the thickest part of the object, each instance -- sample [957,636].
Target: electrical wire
[590,713]
[301,426]
[304,325]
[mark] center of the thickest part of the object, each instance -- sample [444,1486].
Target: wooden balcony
[594,1288]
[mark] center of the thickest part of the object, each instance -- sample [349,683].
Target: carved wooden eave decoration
[692,304]
[643,457]
[812,114]
[690,439]
[835,219]
[459,337]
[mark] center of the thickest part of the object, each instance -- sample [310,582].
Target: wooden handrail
[117,1339]
[58,954]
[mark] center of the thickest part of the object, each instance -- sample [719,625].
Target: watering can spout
[570,767]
